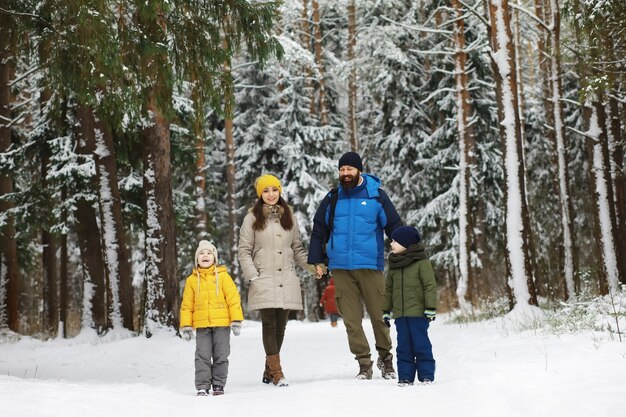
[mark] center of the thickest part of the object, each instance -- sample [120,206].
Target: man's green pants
[352,287]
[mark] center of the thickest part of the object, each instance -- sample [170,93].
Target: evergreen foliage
[192,58]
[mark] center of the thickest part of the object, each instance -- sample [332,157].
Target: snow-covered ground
[483,369]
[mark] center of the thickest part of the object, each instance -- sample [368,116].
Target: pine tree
[9,269]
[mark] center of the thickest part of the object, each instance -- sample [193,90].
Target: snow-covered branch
[530,14]
[437,92]
[418,28]
[472,10]
[24,75]
[432,52]
[580,132]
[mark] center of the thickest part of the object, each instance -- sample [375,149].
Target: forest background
[130,130]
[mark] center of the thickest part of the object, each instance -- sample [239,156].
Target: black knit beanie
[352,159]
[406,236]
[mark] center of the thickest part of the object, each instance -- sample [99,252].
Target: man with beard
[352,234]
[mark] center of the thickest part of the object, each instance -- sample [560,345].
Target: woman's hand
[321,270]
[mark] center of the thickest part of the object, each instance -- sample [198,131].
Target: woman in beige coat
[269,248]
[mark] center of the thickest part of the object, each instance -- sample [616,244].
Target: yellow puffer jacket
[210,300]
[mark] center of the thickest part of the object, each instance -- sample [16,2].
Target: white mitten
[186,333]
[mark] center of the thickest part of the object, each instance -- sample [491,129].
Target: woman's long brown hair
[286,220]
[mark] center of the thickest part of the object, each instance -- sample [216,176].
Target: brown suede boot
[276,371]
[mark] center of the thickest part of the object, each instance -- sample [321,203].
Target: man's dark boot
[386,366]
[365,369]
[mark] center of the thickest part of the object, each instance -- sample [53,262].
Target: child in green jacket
[411,294]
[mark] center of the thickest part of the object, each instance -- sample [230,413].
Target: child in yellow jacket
[211,305]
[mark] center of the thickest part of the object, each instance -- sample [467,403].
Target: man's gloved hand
[430,313]
[186,333]
[311,268]
[387,318]
[235,326]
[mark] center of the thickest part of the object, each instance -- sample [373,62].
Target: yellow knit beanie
[265,181]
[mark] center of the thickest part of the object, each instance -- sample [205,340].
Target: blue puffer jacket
[357,240]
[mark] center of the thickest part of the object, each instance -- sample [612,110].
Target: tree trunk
[589,115]
[305,41]
[517,219]
[352,96]
[305,24]
[116,253]
[162,298]
[8,244]
[616,149]
[63,278]
[603,195]
[95,312]
[202,218]
[517,41]
[50,272]
[161,273]
[466,143]
[231,180]
[542,281]
[619,183]
[317,31]
[231,192]
[561,152]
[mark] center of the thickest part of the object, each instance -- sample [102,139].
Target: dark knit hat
[406,236]
[352,159]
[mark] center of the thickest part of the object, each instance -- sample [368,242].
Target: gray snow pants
[212,350]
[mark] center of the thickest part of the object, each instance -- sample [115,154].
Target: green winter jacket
[410,286]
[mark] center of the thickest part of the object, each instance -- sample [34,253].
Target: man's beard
[348,182]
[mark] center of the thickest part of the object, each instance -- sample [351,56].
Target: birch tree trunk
[466,144]
[517,220]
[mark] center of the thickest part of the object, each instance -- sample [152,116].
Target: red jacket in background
[328,298]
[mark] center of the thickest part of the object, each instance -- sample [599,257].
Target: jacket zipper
[402,289]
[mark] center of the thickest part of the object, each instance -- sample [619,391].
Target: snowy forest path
[483,369]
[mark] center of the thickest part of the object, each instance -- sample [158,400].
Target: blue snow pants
[414,352]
